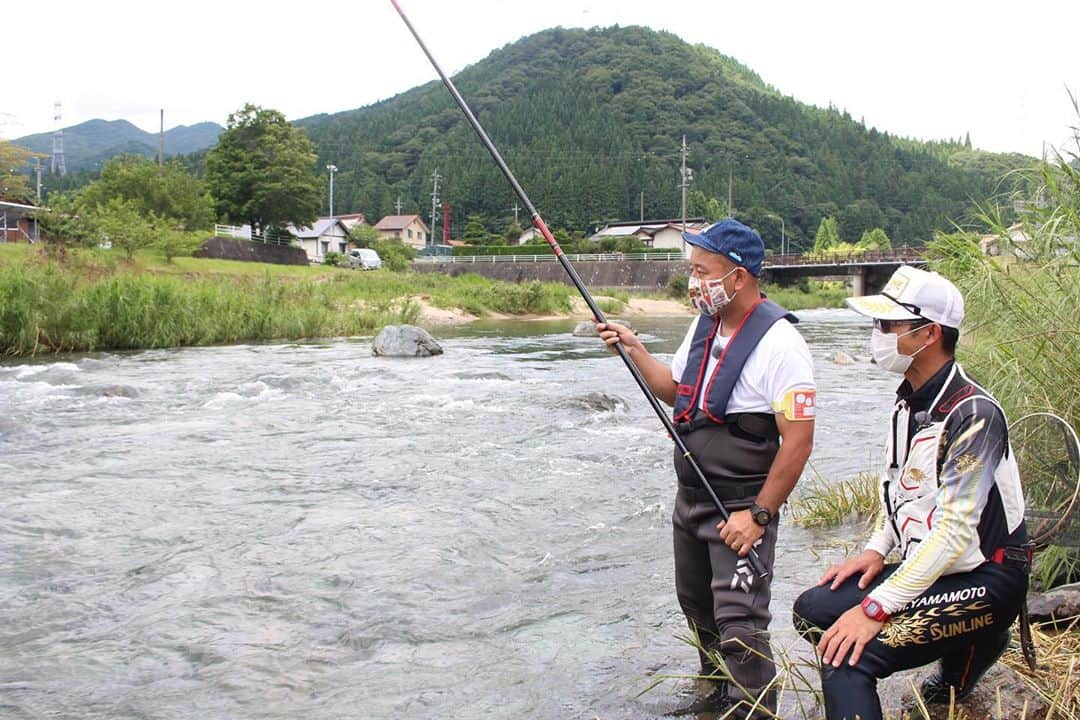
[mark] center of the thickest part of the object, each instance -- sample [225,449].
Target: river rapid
[308,531]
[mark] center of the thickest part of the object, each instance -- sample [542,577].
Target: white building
[653,233]
[326,235]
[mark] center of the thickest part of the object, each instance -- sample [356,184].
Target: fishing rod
[538,222]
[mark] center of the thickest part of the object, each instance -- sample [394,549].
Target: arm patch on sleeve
[799,404]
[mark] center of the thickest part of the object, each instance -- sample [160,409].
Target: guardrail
[549,257]
[243,232]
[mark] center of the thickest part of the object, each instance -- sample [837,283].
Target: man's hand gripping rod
[538,222]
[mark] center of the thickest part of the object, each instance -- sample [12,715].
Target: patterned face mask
[710,296]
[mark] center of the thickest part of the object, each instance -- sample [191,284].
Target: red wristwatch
[873,609]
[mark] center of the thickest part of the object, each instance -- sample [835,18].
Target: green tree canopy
[875,239]
[699,205]
[170,192]
[262,171]
[475,233]
[123,223]
[364,236]
[14,186]
[828,236]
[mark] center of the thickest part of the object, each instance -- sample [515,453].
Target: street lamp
[332,169]
[782,242]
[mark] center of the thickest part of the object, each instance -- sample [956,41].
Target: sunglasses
[890,326]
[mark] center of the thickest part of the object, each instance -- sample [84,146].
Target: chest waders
[726,606]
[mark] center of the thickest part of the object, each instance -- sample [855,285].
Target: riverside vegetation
[95,299]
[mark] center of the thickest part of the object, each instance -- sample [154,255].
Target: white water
[304,530]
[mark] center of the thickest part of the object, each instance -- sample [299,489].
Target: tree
[828,236]
[364,236]
[475,233]
[875,239]
[262,171]
[698,205]
[395,255]
[171,192]
[121,222]
[14,186]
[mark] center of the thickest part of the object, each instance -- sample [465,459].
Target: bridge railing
[550,257]
[901,254]
[897,255]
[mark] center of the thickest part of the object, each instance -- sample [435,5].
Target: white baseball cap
[913,294]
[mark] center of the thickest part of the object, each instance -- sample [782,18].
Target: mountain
[588,120]
[90,144]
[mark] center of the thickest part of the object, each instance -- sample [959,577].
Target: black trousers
[956,619]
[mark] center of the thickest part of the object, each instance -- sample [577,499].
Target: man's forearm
[785,471]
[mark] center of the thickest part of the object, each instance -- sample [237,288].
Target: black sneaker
[715,702]
[935,688]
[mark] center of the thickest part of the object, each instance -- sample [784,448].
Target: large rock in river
[587,328]
[405,341]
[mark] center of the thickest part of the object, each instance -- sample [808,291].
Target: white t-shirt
[778,372]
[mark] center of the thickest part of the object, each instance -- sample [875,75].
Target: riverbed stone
[1057,604]
[405,341]
[1001,694]
[842,358]
[587,328]
[596,402]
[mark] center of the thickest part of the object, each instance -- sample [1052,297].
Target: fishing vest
[742,342]
[913,466]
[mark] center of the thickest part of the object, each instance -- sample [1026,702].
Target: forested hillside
[588,119]
[89,145]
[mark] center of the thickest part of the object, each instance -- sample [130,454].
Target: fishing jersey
[950,492]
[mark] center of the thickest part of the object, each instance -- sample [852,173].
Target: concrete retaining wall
[649,275]
[234,249]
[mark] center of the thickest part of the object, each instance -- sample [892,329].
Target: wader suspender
[762,316]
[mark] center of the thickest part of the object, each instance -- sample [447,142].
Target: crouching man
[951,507]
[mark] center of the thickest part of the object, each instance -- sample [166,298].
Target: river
[304,530]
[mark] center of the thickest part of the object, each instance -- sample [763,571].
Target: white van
[365,259]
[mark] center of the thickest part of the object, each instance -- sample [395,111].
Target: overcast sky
[927,70]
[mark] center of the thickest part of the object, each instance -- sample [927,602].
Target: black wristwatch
[762,516]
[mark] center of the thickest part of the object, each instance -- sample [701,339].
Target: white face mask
[709,297]
[884,348]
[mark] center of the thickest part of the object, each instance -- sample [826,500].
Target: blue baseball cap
[733,240]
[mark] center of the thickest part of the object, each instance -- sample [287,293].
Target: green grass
[812,294]
[97,300]
[829,504]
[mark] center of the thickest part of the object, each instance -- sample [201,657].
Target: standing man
[952,509]
[742,387]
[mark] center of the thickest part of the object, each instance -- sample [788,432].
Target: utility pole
[516,209]
[730,209]
[397,205]
[333,169]
[641,207]
[687,175]
[161,146]
[37,171]
[434,203]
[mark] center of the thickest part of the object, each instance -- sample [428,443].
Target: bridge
[868,271]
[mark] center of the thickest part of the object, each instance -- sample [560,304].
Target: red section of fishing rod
[538,222]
